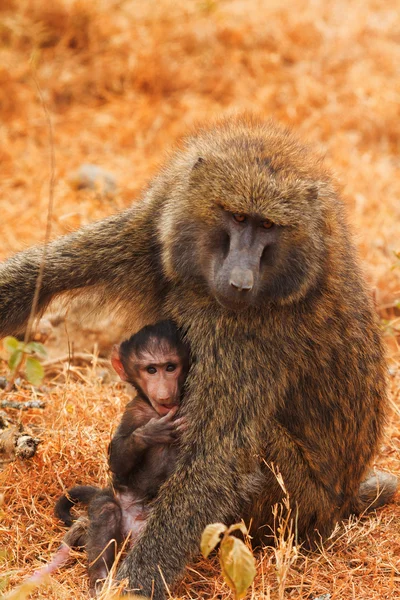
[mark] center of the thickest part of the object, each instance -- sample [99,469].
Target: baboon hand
[160,430]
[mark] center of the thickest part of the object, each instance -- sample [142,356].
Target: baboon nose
[242,279]
[165,401]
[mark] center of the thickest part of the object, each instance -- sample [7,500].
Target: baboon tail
[376,490]
[79,493]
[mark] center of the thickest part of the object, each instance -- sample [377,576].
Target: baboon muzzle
[241,279]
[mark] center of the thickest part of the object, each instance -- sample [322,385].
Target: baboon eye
[239,218]
[151,370]
[171,367]
[267,224]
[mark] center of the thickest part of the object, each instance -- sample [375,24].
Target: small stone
[93,177]
[104,376]
[26,446]
[43,331]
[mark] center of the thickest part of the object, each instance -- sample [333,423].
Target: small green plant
[236,560]
[22,357]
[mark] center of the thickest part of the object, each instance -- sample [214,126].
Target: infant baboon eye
[151,370]
[171,367]
[267,224]
[239,218]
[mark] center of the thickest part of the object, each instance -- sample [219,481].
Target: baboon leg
[314,516]
[104,536]
[314,505]
[316,497]
[77,534]
[311,518]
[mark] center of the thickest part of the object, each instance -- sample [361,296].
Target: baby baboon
[142,453]
[242,240]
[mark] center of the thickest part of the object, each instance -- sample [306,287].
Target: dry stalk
[33,311]
[50,204]
[285,536]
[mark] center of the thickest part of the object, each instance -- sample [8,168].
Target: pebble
[92,177]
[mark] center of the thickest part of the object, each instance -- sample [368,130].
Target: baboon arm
[126,452]
[114,253]
[201,492]
[127,446]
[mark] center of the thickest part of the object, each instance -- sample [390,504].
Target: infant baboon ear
[117,363]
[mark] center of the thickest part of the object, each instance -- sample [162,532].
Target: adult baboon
[242,241]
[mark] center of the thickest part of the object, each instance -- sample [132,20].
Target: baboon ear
[117,363]
[198,162]
[313,189]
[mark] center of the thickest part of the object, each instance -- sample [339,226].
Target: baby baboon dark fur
[242,241]
[142,453]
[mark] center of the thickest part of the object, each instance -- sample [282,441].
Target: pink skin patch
[39,576]
[135,515]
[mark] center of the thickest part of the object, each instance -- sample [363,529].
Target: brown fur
[141,458]
[142,453]
[295,378]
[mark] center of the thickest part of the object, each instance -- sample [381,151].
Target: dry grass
[125,79]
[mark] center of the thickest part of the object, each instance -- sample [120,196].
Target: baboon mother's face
[244,234]
[235,255]
[248,259]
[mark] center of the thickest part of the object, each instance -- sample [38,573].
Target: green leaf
[10,344]
[37,348]
[15,360]
[211,537]
[237,564]
[34,371]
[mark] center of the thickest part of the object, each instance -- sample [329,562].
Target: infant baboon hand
[161,430]
[181,424]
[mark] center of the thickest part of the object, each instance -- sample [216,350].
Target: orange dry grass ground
[123,81]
